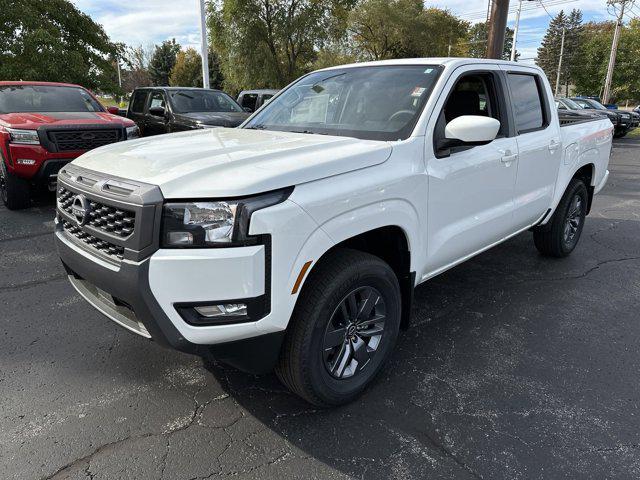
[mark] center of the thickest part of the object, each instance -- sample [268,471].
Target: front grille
[109,219]
[70,140]
[103,246]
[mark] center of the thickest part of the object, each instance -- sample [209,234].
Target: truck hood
[232,162]
[32,121]
[218,119]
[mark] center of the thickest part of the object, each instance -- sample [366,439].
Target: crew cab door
[539,144]
[136,109]
[156,124]
[471,188]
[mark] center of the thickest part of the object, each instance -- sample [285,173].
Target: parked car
[624,126]
[566,105]
[44,126]
[296,241]
[610,106]
[252,100]
[159,110]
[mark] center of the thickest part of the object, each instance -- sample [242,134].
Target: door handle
[509,158]
[553,146]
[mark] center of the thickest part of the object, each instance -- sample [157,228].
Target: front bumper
[114,261]
[142,297]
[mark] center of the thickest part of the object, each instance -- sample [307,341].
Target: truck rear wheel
[561,235]
[343,328]
[15,191]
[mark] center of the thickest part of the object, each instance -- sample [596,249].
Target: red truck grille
[71,140]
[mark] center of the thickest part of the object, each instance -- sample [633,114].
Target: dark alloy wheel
[354,332]
[561,235]
[573,221]
[343,328]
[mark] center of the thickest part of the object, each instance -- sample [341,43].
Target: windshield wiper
[259,126]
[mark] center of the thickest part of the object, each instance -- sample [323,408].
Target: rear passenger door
[539,144]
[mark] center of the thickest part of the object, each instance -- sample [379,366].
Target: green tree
[162,62]
[380,29]
[53,41]
[549,52]
[594,59]
[135,68]
[477,43]
[269,43]
[187,71]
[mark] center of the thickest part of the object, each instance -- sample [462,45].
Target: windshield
[571,105]
[588,103]
[187,101]
[46,98]
[374,103]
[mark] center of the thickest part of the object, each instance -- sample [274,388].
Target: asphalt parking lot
[516,367]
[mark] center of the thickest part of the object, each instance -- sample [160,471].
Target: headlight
[27,137]
[133,132]
[216,223]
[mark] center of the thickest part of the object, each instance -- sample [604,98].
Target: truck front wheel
[561,235]
[15,191]
[344,326]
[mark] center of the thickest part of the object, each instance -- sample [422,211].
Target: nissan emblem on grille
[80,208]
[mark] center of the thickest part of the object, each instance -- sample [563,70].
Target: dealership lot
[516,367]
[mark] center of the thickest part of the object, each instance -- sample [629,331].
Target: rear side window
[139,99]
[249,100]
[527,102]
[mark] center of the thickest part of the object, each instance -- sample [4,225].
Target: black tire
[14,191]
[305,364]
[561,235]
[620,134]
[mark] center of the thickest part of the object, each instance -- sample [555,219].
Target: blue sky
[145,22]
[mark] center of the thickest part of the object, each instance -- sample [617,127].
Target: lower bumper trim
[105,304]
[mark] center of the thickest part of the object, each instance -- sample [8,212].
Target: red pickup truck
[45,125]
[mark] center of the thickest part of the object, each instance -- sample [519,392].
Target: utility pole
[560,62]
[515,32]
[497,28]
[204,47]
[606,94]
[119,76]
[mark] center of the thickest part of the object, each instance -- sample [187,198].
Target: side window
[157,100]
[473,94]
[139,99]
[249,100]
[527,102]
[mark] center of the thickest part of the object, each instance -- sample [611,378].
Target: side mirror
[156,111]
[474,129]
[113,110]
[248,109]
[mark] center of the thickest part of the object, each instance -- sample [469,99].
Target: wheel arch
[391,244]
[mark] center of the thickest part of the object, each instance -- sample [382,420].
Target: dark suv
[173,109]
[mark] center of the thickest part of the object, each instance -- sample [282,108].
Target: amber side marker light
[301,275]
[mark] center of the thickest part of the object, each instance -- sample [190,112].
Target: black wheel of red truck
[343,328]
[15,191]
[560,237]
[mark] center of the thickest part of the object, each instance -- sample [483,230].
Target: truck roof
[444,61]
[27,82]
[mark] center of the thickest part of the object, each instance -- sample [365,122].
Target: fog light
[180,238]
[25,161]
[226,310]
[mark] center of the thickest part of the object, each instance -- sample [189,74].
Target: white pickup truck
[295,241]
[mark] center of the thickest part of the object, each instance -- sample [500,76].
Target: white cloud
[144,22]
